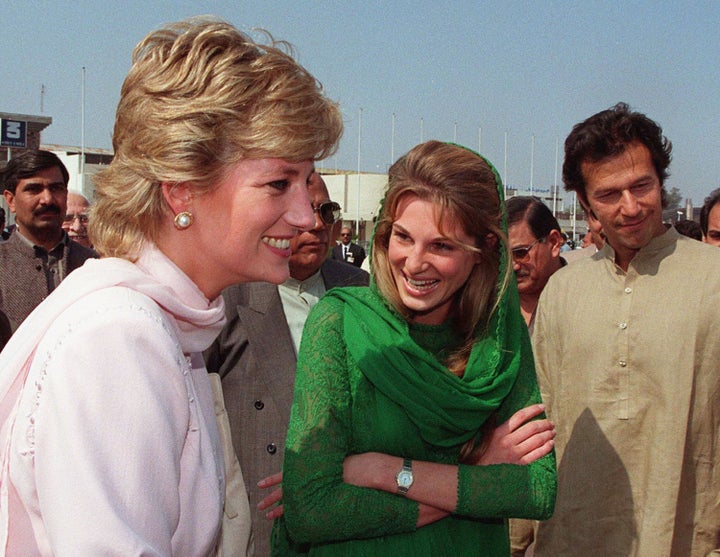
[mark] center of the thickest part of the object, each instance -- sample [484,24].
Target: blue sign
[13,133]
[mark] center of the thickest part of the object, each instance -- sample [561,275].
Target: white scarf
[199,321]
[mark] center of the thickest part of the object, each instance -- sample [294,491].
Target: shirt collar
[654,246]
[64,241]
[302,285]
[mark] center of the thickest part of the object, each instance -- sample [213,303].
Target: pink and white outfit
[108,439]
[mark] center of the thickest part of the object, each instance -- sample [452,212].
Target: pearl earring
[183,220]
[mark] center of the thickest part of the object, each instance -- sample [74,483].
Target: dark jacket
[255,357]
[358,254]
[23,284]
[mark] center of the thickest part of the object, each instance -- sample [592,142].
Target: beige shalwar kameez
[629,367]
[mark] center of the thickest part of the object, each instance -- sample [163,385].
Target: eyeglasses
[83,218]
[521,253]
[330,212]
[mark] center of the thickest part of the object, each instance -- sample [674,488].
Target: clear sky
[475,72]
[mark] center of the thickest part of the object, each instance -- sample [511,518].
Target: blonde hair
[464,189]
[201,96]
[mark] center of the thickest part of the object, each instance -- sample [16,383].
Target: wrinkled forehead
[77,208]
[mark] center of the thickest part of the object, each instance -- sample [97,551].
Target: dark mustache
[52,209]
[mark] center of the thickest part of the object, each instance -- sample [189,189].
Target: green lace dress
[339,411]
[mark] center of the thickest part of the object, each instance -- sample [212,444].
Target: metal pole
[555,183]
[357,221]
[505,165]
[574,215]
[532,165]
[392,141]
[82,137]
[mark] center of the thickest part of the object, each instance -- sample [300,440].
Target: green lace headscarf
[448,410]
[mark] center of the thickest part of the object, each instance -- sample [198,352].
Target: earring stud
[183,220]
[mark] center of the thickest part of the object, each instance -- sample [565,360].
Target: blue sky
[466,70]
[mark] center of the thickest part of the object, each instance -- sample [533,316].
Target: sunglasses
[83,218]
[330,212]
[521,253]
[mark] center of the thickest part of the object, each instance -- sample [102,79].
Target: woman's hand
[274,498]
[520,440]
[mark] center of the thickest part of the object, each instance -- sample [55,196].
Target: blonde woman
[109,441]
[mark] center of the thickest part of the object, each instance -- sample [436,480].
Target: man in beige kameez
[630,368]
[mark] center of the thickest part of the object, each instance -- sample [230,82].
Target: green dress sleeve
[508,490]
[319,506]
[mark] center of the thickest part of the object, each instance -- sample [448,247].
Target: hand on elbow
[520,440]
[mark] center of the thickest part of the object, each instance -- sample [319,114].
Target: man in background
[256,352]
[628,361]
[347,250]
[710,219]
[535,241]
[39,254]
[592,242]
[4,234]
[76,219]
[691,229]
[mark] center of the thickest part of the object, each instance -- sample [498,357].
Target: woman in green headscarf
[392,448]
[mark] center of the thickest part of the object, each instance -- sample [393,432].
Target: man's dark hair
[710,202]
[689,228]
[607,134]
[534,212]
[28,164]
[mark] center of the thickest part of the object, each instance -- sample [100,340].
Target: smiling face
[427,265]
[243,227]
[39,204]
[624,193]
[310,248]
[76,219]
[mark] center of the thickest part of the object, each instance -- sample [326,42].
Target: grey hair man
[76,218]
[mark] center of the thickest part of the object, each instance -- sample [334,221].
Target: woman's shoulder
[340,296]
[101,315]
[335,300]
[115,300]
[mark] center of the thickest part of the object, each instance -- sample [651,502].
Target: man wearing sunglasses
[256,352]
[535,242]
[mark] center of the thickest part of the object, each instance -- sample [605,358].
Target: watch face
[404,479]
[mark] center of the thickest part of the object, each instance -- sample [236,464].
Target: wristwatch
[404,477]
